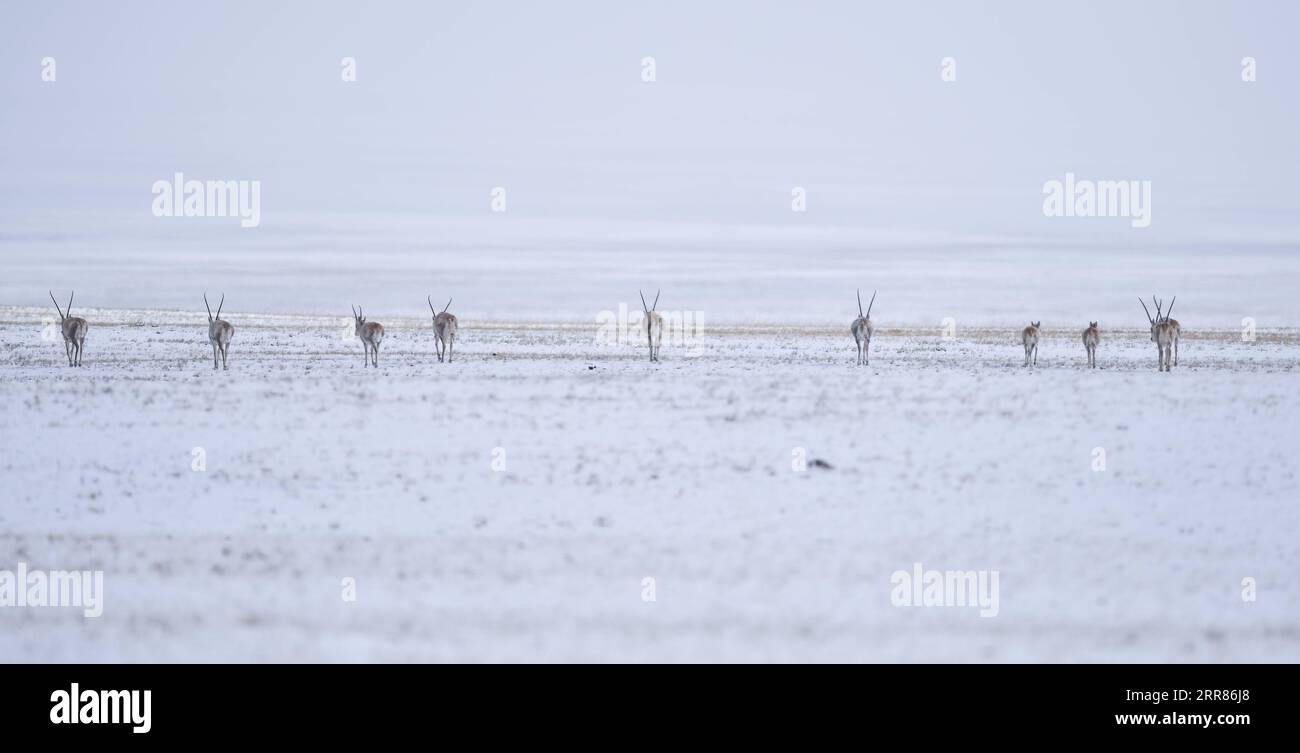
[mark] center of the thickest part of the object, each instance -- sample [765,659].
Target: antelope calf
[371,334]
[654,325]
[74,331]
[1162,334]
[1029,337]
[1091,336]
[862,329]
[444,329]
[219,333]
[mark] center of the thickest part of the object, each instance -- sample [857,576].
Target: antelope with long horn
[445,327]
[1178,329]
[1162,334]
[371,334]
[219,333]
[1029,338]
[74,331]
[862,329]
[1091,336]
[654,325]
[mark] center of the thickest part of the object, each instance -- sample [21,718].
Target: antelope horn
[444,308]
[1144,308]
[56,307]
[1159,307]
[873,300]
[1171,308]
[860,314]
[429,299]
[354,312]
[647,308]
[656,303]
[207,305]
[70,296]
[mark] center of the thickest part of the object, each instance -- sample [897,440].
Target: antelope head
[650,316]
[1162,313]
[359,317]
[435,311]
[867,315]
[63,316]
[1153,321]
[649,309]
[212,318]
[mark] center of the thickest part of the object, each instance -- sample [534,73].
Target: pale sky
[750,100]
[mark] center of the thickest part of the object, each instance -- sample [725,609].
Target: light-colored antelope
[371,334]
[74,331]
[862,329]
[1091,336]
[654,325]
[445,327]
[1178,328]
[219,333]
[1029,337]
[1162,334]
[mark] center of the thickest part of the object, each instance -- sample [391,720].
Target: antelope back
[74,328]
[220,330]
[1163,333]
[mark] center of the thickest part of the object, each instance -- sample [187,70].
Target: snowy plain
[944,451]
[381,190]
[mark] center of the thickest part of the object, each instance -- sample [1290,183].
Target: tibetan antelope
[1178,329]
[1091,336]
[862,329]
[654,325]
[1029,337]
[74,331]
[1162,334]
[219,333]
[371,334]
[444,329]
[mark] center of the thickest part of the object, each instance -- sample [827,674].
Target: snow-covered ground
[510,505]
[541,163]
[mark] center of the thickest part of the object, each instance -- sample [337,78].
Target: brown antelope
[654,325]
[371,334]
[862,329]
[1162,334]
[1178,329]
[444,329]
[1029,337]
[1091,336]
[219,333]
[74,331]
